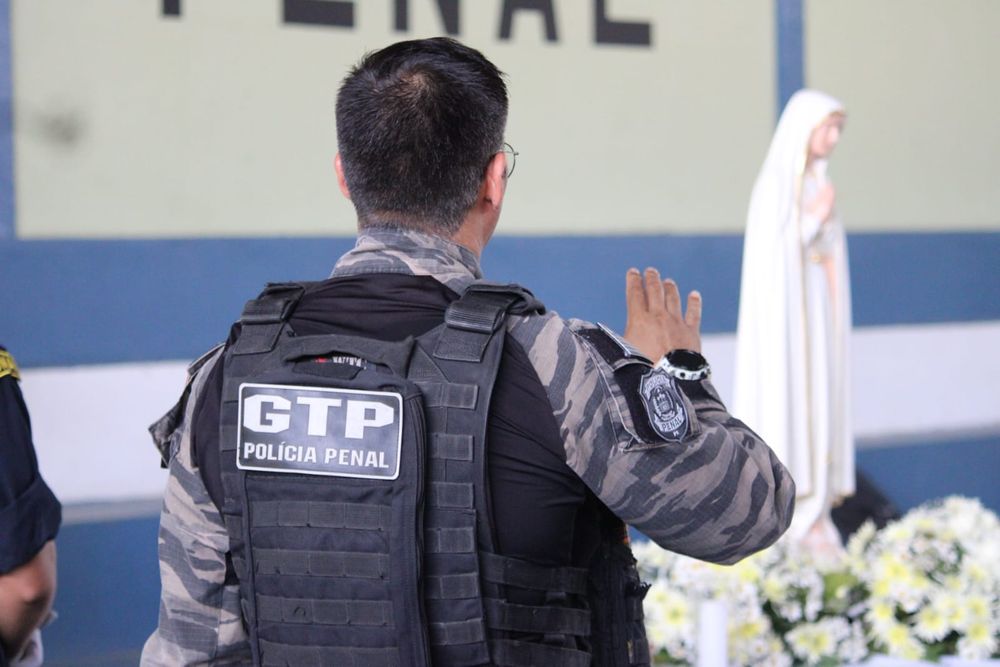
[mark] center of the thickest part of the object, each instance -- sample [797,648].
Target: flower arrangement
[923,587]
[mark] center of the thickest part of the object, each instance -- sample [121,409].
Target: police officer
[406,465]
[29,520]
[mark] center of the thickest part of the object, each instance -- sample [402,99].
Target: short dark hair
[417,123]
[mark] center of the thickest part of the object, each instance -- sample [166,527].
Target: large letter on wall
[544,6]
[320,12]
[447,8]
[607,31]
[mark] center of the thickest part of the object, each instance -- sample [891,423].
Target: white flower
[900,643]
[859,541]
[979,643]
[855,648]
[814,641]
[952,607]
[905,589]
[669,619]
[931,624]
[747,639]
[898,533]
[881,614]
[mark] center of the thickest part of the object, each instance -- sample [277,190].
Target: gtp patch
[7,365]
[666,410]
[320,431]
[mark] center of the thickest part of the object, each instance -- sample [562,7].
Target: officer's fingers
[635,294]
[672,296]
[654,289]
[693,314]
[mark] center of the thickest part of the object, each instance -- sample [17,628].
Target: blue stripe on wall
[108,595]
[83,302]
[912,474]
[6,127]
[790,56]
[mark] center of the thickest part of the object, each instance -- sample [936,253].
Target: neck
[467,237]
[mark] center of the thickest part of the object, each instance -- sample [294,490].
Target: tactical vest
[357,510]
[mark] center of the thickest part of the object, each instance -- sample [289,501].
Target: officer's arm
[26,595]
[29,520]
[708,488]
[199,622]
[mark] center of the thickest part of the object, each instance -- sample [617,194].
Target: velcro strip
[450,494]
[452,587]
[454,447]
[257,338]
[324,612]
[459,345]
[449,395]
[450,540]
[321,515]
[273,654]
[321,563]
[458,632]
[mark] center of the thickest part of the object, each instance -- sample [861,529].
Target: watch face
[689,360]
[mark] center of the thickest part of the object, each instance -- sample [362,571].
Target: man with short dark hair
[29,520]
[407,465]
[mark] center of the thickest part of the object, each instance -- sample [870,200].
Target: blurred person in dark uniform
[29,520]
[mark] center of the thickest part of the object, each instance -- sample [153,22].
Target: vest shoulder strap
[473,318]
[263,317]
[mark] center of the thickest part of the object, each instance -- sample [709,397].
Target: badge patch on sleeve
[320,431]
[667,414]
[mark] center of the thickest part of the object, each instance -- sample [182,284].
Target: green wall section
[921,83]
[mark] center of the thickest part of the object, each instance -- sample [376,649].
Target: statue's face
[826,135]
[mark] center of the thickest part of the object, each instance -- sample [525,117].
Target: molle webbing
[469,626]
[332,573]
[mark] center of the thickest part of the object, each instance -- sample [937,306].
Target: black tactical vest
[356,504]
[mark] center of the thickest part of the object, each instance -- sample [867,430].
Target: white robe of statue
[792,356]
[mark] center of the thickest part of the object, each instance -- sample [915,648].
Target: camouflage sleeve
[668,460]
[199,621]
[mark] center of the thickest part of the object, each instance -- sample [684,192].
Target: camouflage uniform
[719,493]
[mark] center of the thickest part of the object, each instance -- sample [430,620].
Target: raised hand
[655,323]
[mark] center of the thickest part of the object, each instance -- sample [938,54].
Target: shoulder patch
[666,410]
[8,366]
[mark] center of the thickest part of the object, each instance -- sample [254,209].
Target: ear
[495,181]
[341,181]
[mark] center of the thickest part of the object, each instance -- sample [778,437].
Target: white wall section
[909,384]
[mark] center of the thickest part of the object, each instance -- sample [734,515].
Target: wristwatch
[685,365]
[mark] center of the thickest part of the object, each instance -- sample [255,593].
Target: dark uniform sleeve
[29,513]
[665,456]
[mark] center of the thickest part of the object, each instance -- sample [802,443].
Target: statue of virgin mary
[792,355]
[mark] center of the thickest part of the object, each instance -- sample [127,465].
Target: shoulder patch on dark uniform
[8,366]
[666,410]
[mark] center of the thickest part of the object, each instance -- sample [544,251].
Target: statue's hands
[821,206]
[654,322]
